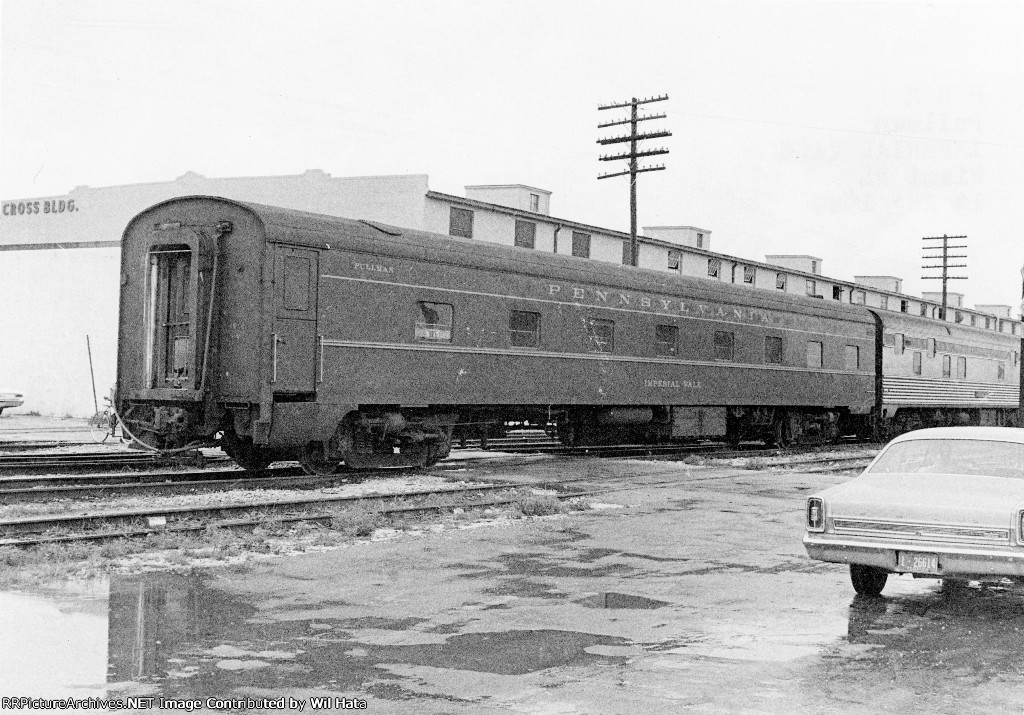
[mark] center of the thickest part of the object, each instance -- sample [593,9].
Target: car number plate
[917,562]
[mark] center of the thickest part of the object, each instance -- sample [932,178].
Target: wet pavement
[694,598]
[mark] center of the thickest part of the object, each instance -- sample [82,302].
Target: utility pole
[634,168]
[944,256]
[1020,359]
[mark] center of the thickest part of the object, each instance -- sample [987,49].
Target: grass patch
[538,505]
[357,522]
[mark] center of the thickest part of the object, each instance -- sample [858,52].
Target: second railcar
[937,373]
[279,333]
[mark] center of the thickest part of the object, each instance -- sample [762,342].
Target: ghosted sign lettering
[38,207]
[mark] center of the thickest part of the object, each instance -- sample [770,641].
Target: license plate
[917,562]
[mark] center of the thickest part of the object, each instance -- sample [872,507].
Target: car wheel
[314,461]
[867,580]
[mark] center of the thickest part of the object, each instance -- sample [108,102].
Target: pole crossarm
[633,102]
[940,238]
[630,121]
[634,137]
[633,155]
[660,167]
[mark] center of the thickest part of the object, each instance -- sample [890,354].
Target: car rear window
[952,456]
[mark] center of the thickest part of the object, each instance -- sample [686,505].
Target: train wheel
[246,454]
[314,460]
[437,451]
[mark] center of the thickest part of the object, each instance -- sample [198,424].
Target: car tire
[868,580]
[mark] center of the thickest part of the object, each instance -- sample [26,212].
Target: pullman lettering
[373,267]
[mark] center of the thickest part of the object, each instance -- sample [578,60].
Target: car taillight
[815,514]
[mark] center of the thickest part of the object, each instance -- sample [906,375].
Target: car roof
[998,434]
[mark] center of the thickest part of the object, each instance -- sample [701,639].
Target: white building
[59,262]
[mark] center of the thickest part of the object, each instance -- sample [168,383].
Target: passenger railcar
[282,334]
[937,373]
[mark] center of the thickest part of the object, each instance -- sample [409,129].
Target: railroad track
[141,521]
[105,525]
[34,489]
[27,445]
[24,488]
[92,461]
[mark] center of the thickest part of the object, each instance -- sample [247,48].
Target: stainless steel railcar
[283,334]
[937,373]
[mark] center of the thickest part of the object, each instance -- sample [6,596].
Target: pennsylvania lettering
[618,299]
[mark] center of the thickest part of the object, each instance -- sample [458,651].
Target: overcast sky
[839,129]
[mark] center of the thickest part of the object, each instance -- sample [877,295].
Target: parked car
[942,503]
[10,398]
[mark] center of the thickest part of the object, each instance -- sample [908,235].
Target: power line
[843,130]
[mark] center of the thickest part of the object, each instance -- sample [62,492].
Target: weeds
[357,522]
[12,556]
[538,505]
[272,535]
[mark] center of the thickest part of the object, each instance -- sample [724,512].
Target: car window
[953,456]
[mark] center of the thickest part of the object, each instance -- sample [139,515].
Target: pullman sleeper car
[280,334]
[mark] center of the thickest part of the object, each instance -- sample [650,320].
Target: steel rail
[289,477]
[56,521]
[42,523]
[610,484]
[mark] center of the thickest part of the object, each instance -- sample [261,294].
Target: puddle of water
[54,643]
[503,652]
[179,636]
[620,600]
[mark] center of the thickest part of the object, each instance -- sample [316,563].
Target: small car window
[524,329]
[434,322]
[852,357]
[601,335]
[724,344]
[814,349]
[773,350]
[666,340]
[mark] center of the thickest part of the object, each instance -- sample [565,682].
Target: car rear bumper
[958,560]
